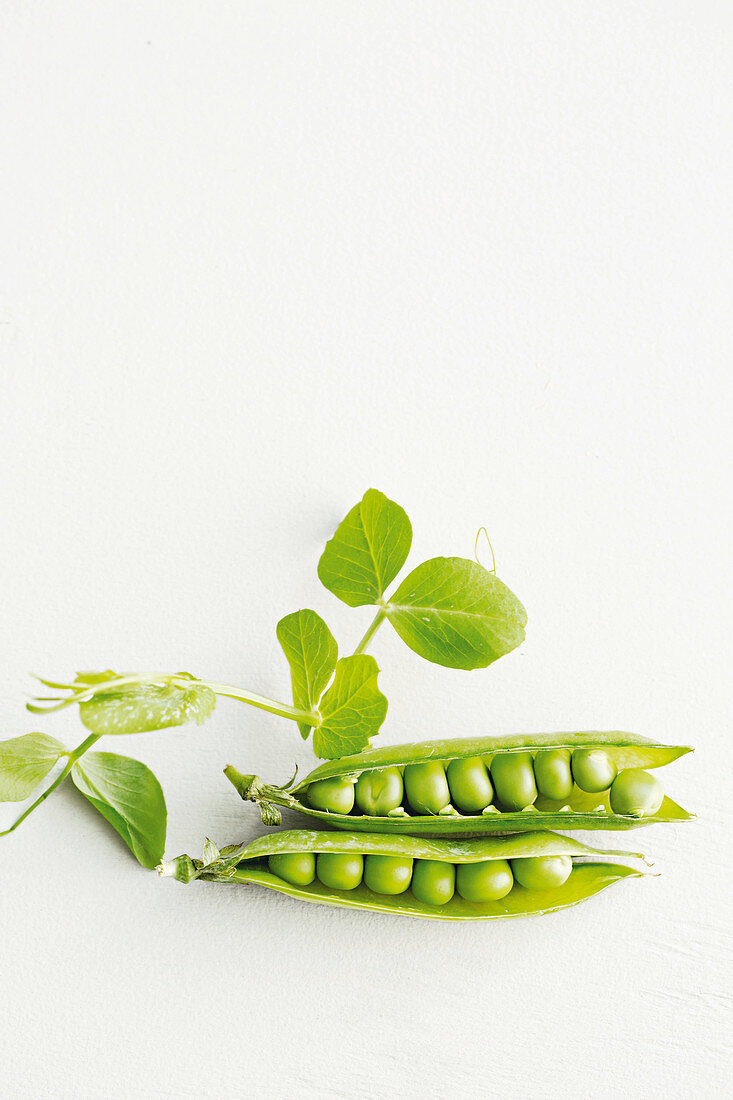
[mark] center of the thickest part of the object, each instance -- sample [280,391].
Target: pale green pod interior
[450,851]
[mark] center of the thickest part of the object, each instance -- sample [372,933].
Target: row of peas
[431,881]
[468,785]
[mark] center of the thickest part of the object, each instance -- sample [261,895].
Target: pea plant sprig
[450,611]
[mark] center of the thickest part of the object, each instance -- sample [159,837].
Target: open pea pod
[583,872]
[473,789]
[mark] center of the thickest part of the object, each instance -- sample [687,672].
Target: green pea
[387,874]
[339,871]
[470,786]
[427,787]
[489,880]
[334,795]
[379,791]
[593,770]
[297,868]
[433,881]
[635,793]
[542,872]
[552,773]
[513,778]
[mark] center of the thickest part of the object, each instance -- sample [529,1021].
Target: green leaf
[352,710]
[24,762]
[129,796]
[138,708]
[453,612]
[311,650]
[367,551]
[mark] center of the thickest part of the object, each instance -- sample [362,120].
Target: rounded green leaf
[352,710]
[453,612]
[311,650]
[24,762]
[367,551]
[129,797]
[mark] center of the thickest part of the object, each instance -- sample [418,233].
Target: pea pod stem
[248,786]
[73,756]
[251,789]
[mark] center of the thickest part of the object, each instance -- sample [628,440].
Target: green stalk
[271,705]
[73,757]
[377,621]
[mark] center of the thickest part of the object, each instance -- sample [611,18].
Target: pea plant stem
[270,705]
[376,622]
[73,756]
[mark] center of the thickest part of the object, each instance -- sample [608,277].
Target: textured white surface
[256,258]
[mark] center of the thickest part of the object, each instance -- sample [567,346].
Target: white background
[256,258]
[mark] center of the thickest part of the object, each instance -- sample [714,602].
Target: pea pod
[579,810]
[252,864]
